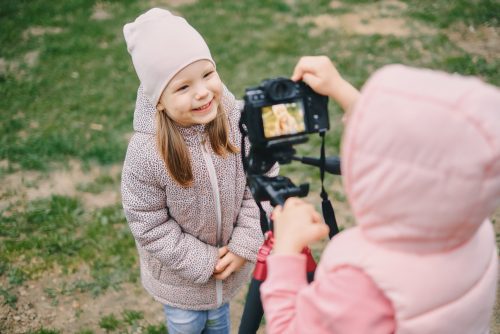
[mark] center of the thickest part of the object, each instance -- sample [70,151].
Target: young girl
[421,169]
[184,190]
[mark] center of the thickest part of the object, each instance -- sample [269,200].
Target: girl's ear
[160,107]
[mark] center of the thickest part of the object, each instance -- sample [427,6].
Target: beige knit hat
[161,44]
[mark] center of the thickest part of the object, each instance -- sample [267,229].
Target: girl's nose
[201,92]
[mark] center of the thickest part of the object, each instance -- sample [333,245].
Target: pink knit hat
[161,44]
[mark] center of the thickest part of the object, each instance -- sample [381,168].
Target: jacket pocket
[154,266]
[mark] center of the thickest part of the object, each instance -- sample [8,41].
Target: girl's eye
[208,74]
[181,88]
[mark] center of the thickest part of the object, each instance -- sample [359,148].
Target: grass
[56,231]
[113,324]
[101,183]
[68,93]
[445,13]
[83,75]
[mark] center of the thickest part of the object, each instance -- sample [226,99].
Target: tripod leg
[253,311]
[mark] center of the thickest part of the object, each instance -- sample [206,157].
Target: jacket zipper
[215,189]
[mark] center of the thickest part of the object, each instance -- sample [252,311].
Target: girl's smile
[203,108]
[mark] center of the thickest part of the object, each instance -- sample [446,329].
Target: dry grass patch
[481,40]
[381,17]
[26,186]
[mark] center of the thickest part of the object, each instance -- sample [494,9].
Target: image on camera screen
[283,119]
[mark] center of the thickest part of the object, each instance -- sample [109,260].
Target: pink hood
[421,158]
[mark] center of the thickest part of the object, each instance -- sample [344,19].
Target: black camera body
[281,112]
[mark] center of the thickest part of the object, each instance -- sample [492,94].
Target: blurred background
[68,262]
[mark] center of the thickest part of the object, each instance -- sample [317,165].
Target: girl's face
[280,111]
[193,95]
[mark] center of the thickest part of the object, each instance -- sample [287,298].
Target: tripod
[253,311]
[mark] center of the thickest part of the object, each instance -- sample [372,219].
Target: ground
[75,311]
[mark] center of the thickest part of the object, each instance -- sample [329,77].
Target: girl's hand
[296,225]
[222,252]
[227,265]
[322,76]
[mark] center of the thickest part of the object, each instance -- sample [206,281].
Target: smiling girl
[184,190]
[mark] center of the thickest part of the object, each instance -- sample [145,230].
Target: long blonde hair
[174,151]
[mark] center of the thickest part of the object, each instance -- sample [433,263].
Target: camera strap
[265,225]
[326,205]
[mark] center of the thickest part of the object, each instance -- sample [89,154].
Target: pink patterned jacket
[178,230]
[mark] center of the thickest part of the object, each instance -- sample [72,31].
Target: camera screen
[283,119]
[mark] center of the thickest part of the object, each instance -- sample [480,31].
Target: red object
[260,271]
[310,263]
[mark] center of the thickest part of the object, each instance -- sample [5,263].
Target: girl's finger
[276,213]
[317,217]
[222,251]
[225,274]
[303,65]
[222,264]
[312,80]
[299,69]
[293,201]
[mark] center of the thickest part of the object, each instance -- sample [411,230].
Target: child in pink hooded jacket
[421,169]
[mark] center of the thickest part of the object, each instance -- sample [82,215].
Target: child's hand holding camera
[296,225]
[322,76]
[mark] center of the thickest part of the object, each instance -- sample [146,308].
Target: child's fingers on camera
[292,202]
[305,64]
[276,211]
[317,217]
[321,230]
[299,69]
[312,80]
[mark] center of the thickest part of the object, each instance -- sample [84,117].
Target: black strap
[243,146]
[264,223]
[326,205]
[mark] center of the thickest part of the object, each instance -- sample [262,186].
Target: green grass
[45,331]
[445,13]
[101,183]
[68,92]
[57,231]
[129,322]
[83,75]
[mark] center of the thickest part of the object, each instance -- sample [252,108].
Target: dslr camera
[280,111]
[278,114]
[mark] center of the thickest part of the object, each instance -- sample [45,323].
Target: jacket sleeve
[342,301]
[144,203]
